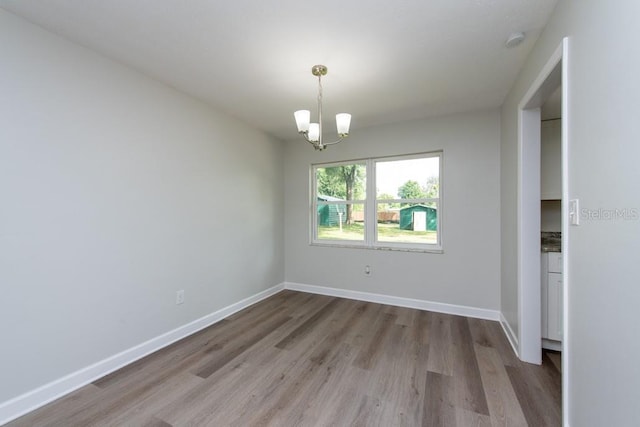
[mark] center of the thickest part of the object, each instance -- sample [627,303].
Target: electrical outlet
[180,297]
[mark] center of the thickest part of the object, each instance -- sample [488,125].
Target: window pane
[333,224]
[416,223]
[339,183]
[408,179]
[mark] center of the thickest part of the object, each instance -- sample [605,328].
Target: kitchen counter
[551,241]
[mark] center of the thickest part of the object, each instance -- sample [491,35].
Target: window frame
[314,206]
[370,205]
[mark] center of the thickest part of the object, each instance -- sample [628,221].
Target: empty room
[411,213]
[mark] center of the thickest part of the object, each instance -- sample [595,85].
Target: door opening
[553,75]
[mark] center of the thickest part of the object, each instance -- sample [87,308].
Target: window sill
[435,250]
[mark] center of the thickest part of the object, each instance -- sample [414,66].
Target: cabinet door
[555,305]
[544,294]
[555,262]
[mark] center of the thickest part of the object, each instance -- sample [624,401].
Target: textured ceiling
[387,60]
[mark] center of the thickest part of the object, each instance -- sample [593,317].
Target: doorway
[553,75]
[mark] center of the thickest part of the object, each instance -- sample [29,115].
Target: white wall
[116,191]
[550,215]
[604,65]
[551,159]
[467,273]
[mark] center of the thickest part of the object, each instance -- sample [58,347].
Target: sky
[390,175]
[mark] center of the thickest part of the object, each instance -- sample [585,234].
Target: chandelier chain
[320,110]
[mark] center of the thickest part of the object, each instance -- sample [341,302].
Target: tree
[432,189]
[352,175]
[385,206]
[411,190]
[389,205]
[345,182]
[329,183]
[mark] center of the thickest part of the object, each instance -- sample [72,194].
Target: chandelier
[312,132]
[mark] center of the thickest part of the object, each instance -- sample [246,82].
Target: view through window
[391,202]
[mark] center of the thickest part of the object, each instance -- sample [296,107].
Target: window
[340,195]
[379,203]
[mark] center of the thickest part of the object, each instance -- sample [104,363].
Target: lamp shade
[303,117]
[343,121]
[314,132]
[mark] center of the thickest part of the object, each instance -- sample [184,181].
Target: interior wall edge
[511,335]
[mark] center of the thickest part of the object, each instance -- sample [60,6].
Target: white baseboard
[34,399]
[511,336]
[551,344]
[460,310]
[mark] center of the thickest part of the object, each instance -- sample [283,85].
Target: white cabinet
[555,262]
[551,160]
[554,307]
[552,296]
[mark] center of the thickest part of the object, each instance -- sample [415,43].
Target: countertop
[551,241]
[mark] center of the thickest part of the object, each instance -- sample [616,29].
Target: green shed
[419,218]
[329,215]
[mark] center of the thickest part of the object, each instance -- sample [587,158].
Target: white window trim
[370,240]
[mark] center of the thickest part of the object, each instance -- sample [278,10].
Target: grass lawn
[386,233]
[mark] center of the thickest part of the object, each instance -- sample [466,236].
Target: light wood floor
[299,359]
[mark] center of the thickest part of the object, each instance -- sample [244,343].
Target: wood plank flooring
[298,359]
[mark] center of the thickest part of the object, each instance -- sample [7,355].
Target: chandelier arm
[334,142]
[305,135]
[315,144]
